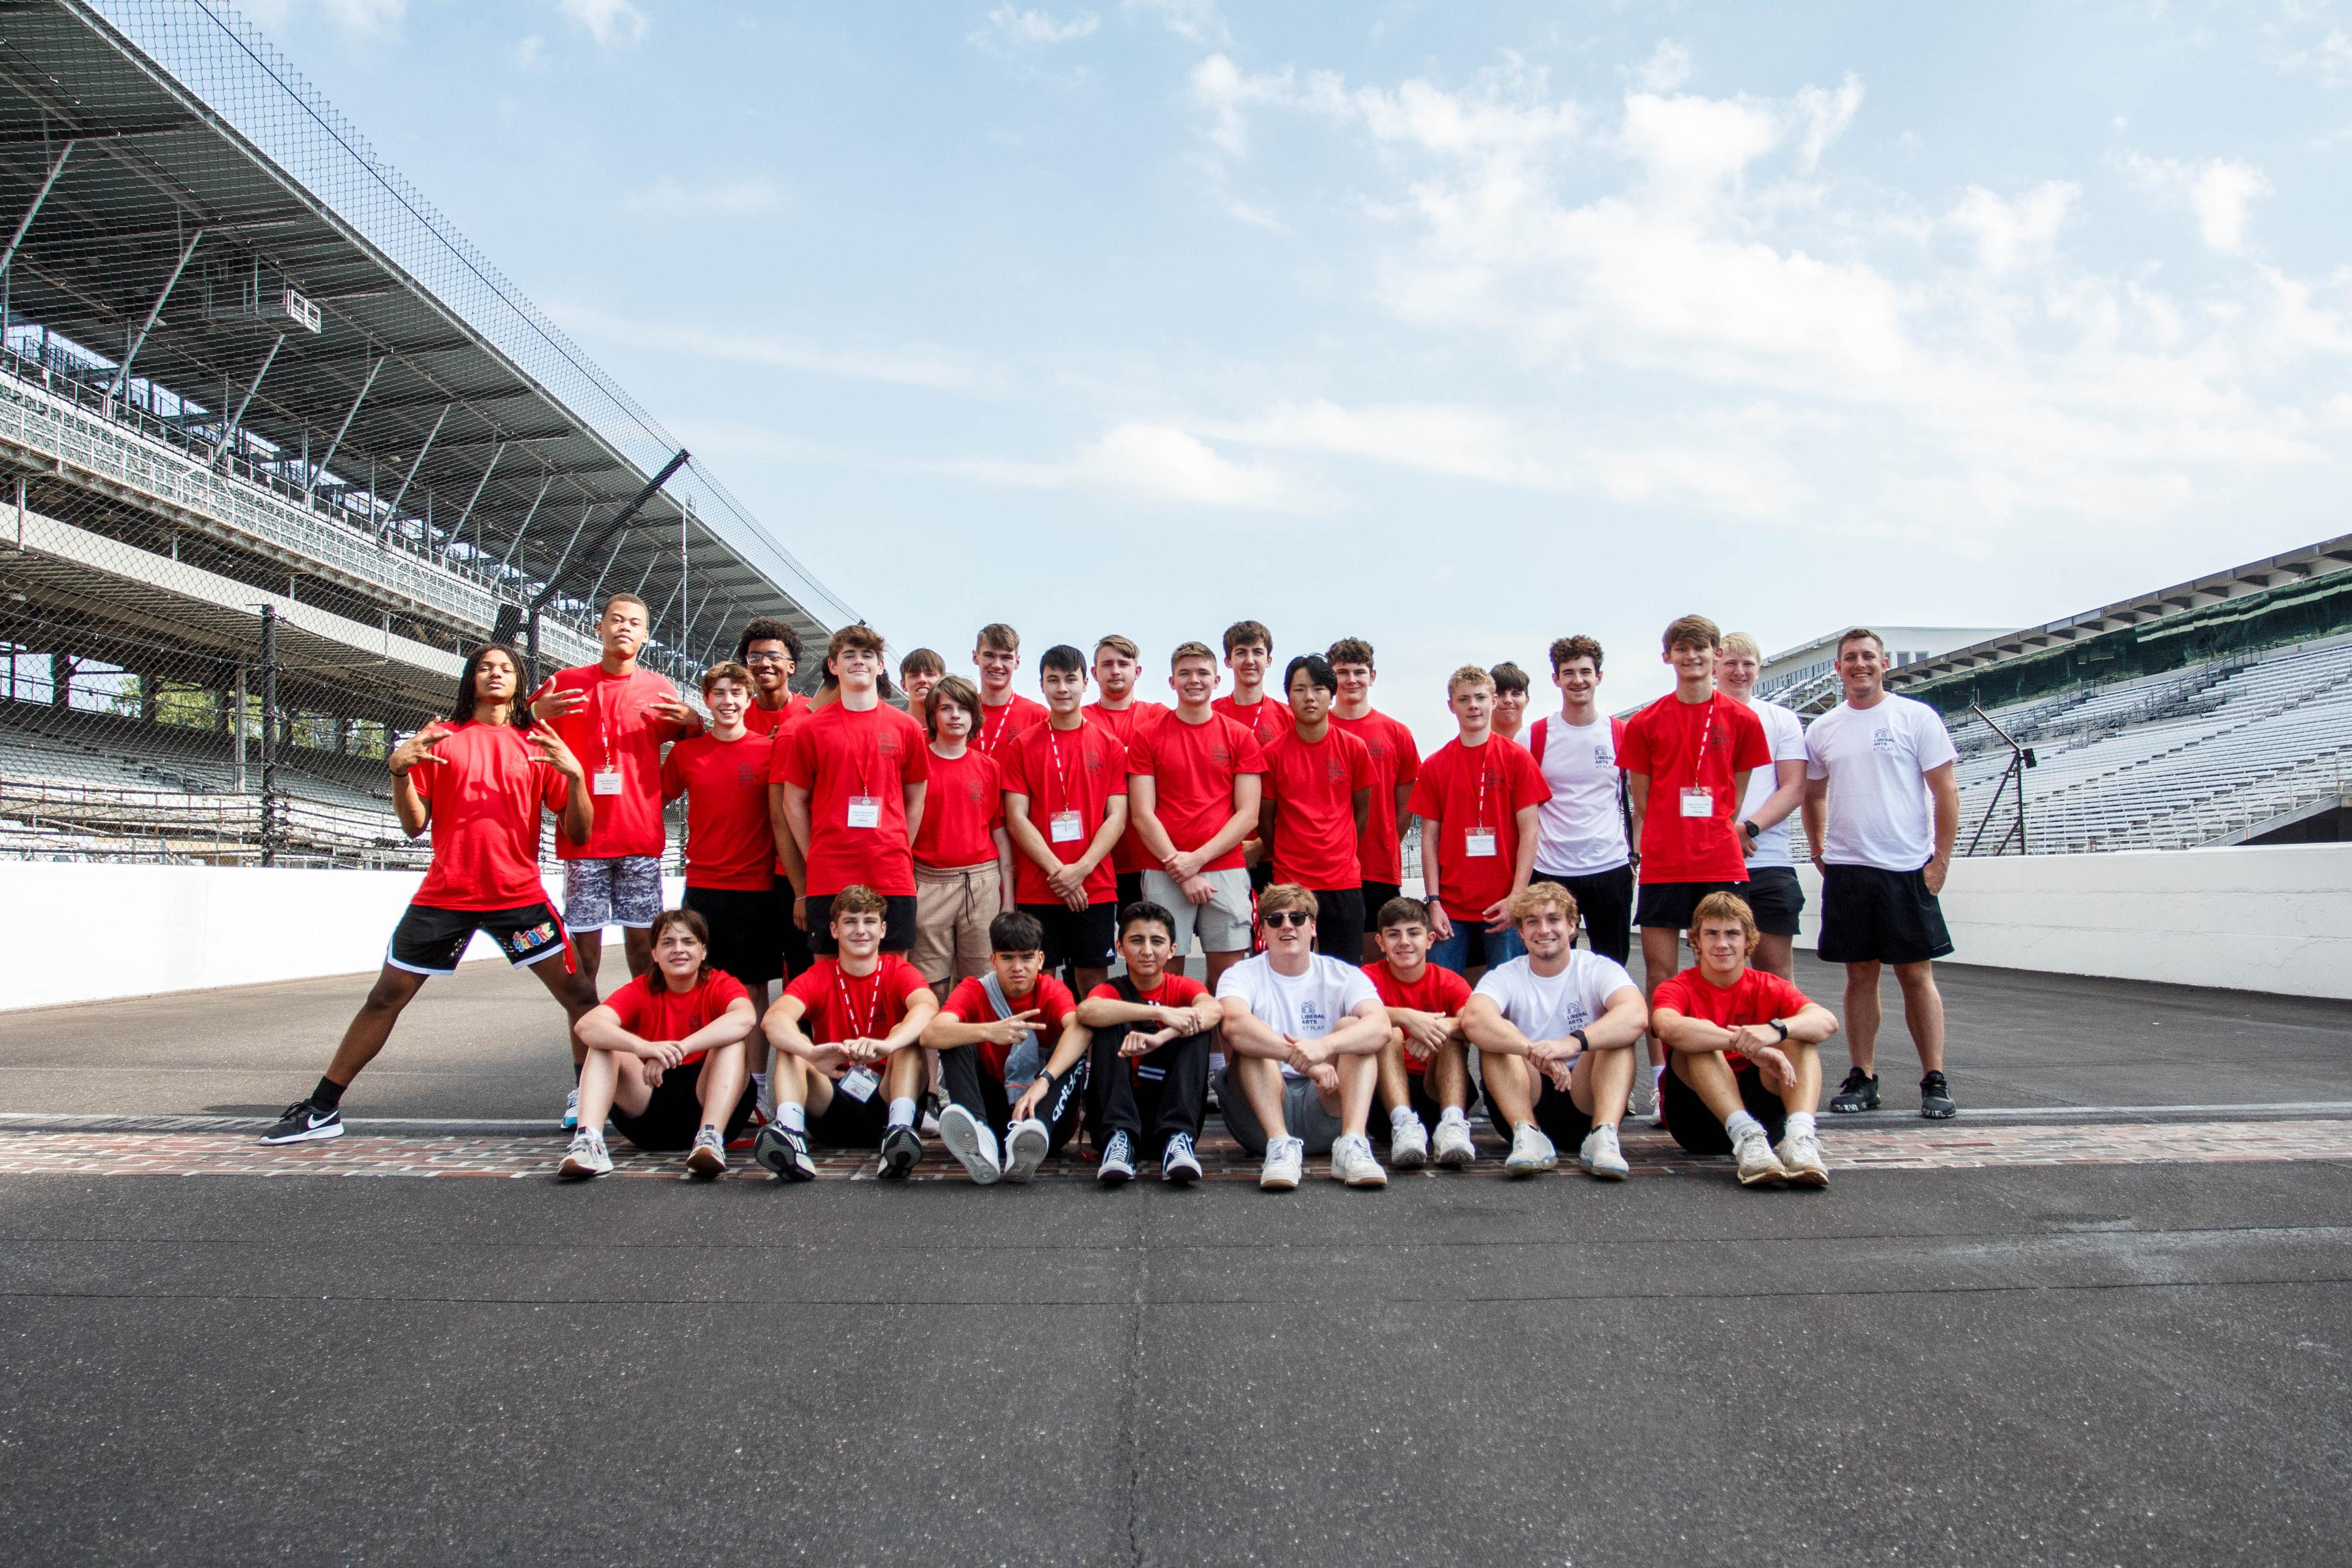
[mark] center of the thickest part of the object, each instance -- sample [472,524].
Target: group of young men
[984,903]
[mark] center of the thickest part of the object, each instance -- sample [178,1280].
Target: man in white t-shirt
[1303,1037]
[1882,810]
[1581,831]
[1555,1032]
[1773,795]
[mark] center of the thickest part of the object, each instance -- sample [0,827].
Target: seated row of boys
[1311,1044]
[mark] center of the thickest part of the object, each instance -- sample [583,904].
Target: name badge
[1066,827]
[860,1083]
[864,811]
[1698,800]
[1479,843]
[606,781]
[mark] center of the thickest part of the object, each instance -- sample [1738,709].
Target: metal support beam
[139,339]
[523,527]
[310,475]
[480,485]
[653,488]
[34,211]
[393,515]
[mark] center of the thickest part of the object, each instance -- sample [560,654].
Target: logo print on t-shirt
[1219,755]
[1882,739]
[1312,1021]
[1600,757]
[749,774]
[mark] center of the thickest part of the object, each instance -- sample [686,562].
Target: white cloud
[2220,191]
[669,197]
[2011,233]
[2328,57]
[614,24]
[1010,26]
[1194,21]
[1160,462]
[910,366]
[359,18]
[531,51]
[1668,67]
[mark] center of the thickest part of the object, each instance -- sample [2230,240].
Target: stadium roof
[168,178]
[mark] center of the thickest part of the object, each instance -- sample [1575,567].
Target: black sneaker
[304,1122]
[1118,1161]
[902,1150]
[1936,1098]
[784,1151]
[1179,1165]
[1858,1092]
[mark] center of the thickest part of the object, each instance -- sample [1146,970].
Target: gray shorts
[1302,1110]
[625,891]
[1223,923]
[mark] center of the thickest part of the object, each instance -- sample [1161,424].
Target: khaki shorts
[953,908]
[1223,923]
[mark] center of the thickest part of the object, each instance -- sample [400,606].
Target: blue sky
[1457,327]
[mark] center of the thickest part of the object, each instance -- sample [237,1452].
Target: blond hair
[1536,896]
[1723,906]
[1469,674]
[1739,644]
[1285,896]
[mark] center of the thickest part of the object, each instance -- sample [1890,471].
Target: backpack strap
[1536,737]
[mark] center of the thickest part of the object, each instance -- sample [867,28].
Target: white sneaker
[1352,1162]
[1759,1166]
[1602,1156]
[1531,1152]
[1453,1149]
[587,1157]
[1658,1096]
[1800,1154]
[973,1143]
[571,1109]
[1408,1144]
[1027,1143]
[1286,1163]
[1117,1166]
[707,1160]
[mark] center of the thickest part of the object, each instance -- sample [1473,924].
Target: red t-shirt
[1065,770]
[1680,744]
[612,730]
[999,725]
[1268,718]
[844,1006]
[963,807]
[1439,991]
[1193,768]
[483,790]
[650,1010]
[1757,996]
[1175,991]
[1313,786]
[968,1001]
[852,761]
[1396,759]
[1131,855]
[768,720]
[1477,787]
[728,842]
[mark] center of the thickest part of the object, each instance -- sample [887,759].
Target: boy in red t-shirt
[1118,664]
[1146,1039]
[1317,797]
[996,653]
[1477,804]
[1396,765]
[731,855]
[771,650]
[1249,654]
[845,1076]
[918,673]
[480,782]
[963,857]
[1747,1063]
[666,1057]
[987,1035]
[1193,788]
[1066,810]
[1426,1066]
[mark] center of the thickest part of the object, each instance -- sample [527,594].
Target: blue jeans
[1473,944]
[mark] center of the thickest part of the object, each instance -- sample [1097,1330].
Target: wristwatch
[1782,1027]
[1583,1043]
[1750,830]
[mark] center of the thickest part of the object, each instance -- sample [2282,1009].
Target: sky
[1457,327]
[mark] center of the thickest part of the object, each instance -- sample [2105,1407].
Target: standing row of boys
[925,880]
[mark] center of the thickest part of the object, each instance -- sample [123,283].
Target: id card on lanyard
[1698,799]
[606,780]
[860,1083]
[1065,825]
[1479,840]
[865,808]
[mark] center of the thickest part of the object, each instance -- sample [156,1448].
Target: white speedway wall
[2271,918]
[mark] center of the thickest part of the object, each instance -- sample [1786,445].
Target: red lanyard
[1061,775]
[992,739]
[849,1007]
[866,755]
[1705,733]
[1480,819]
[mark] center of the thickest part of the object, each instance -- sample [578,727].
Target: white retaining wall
[2274,918]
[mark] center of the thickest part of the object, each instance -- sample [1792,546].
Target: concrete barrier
[2272,918]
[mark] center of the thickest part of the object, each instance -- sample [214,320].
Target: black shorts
[1375,895]
[1079,937]
[745,941]
[429,941]
[1340,922]
[897,925]
[1131,888]
[852,1124]
[796,954]
[1870,916]
[1668,905]
[1604,902]
[1556,1114]
[1776,900]
[673,1115]
[1261,878]
[1694,1126]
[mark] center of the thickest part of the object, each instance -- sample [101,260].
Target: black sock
[328,1095]
[576,1072]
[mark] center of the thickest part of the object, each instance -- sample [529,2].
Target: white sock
[1802,1124]
[1452,1114]
[902,1112]
[1742,1126]
[1402,1115]
[792,1116]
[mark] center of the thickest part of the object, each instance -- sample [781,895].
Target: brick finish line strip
[1950,1147]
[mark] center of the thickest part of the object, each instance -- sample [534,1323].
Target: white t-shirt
[1579,832]
[1309,1004]
[1784,733]
[1878,810]
[1549,1008]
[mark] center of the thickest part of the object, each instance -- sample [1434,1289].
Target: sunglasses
[1289,918]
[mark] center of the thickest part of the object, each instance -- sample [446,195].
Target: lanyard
[1480,819]
[992,739]
[849,1007]
[866,755]
[1705,733]
[1061,775]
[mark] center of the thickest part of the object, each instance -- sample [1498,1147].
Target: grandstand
[278,444]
